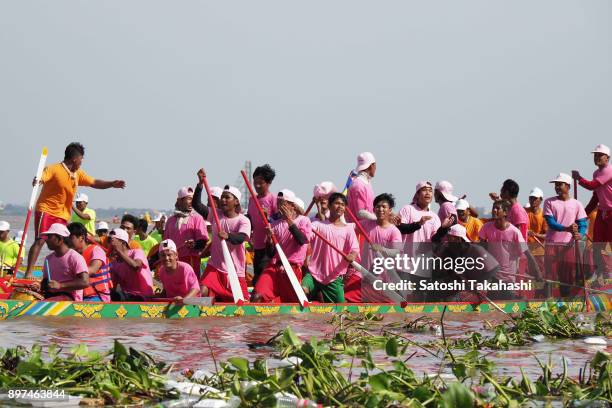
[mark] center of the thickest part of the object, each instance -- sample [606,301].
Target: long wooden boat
[12,309]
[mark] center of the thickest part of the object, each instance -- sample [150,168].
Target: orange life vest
[100,283]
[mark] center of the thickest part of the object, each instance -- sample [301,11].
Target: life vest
[100,283]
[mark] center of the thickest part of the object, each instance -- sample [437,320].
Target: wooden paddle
[35,188]
[295,283]
[232,275]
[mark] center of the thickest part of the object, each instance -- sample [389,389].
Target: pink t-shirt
[268,203]
[139,283]
[238,224]
[294,252]
[65,268]
[604,192]
[194,228]
[389,238]
[412,213]
[506,246]
[447,208]
[518,217]
[565,213]
[98,254]
[360,196]
[180,282]
[326,265]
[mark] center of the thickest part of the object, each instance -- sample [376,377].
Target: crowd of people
[91,262]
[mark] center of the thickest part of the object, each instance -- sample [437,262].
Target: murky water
[182,341]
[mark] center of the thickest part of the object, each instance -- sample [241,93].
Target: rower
[100,283]
[537,226]
[81,213]
[293,232]
[60,182]
[158,232]
[9,249]
[517,215]
[235,228]
[443,194]
[472,224]
[360,194]
[179,279]
[321,194]
[145,240]
[102,234]
[65,272]
[132,279]
[327,267]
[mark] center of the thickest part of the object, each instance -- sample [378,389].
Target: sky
[473,92]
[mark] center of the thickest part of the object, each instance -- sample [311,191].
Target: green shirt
[146,244]
[8,252]
[90,225]
[156,236]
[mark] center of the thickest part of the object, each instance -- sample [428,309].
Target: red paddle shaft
[361,230]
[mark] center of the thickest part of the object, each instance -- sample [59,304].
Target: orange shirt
[537,224]
[59,188]
[472,228]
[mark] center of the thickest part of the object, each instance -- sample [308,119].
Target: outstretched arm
[103,184]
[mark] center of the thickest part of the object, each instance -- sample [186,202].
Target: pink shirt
[389,238]
[180,282]
[294,252]
[98,254]
[412,213]
[518,217]
[360,196]
[505,245]
[65,268]
[326,265]
[566,213]
[238,224]
[139,283]
[194,228]
[604,192]
[268,203]
[447,208]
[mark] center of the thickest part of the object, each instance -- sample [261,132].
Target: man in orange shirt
[537,226]
[60,182]
[472,224]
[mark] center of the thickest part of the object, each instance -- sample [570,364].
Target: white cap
[4,226]
[158,217]
[364,160]
[216,191]
[19,236]
[300,203]
[57,229]
[462,204]
[446,188]
[562,178]
[536,192]
[120,235]
[184,192]
[234,190]
[324,189]
[287,195]
[602,148]
[458,230]
[167,244]
[102,225]
[81,197]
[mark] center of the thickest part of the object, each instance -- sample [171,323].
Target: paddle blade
[295,283]
[369,276]
[232,275]
[45,151]
[198,301]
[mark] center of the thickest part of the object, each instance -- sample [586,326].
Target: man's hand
[223,235]
[395,219]
[178,300]
[494,196]
[54,285]
[286,211]
[424,219]
[118,184]
[190,243]
[350,257]
[34,182]
[117,245]
[201,175]
[269,234]
[576,175]
[448,221]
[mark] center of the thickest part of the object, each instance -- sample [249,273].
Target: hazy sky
[469,91]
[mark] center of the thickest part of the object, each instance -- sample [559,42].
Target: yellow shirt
[472,228]
[8,253]
[89,224]
[59,188]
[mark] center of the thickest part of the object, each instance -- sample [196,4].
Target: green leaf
[241,364]
[290,338]
[391,347]
[460,371]
[457,396]
[80,350]
[379,382]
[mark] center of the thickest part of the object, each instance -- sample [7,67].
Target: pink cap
[167,244]
[418,188]
[185,192]
[288,195]
[234,191]
[562,178]
[458,230]
[446,188]
[324,189]
[216,191]
[120,234]
[364,160]
[57,229]
[602,148]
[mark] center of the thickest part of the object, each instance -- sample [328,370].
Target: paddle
[295,283]
[579,270]
[603,292]
[366,274]
[312,202]
[229,262]
[35,188]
